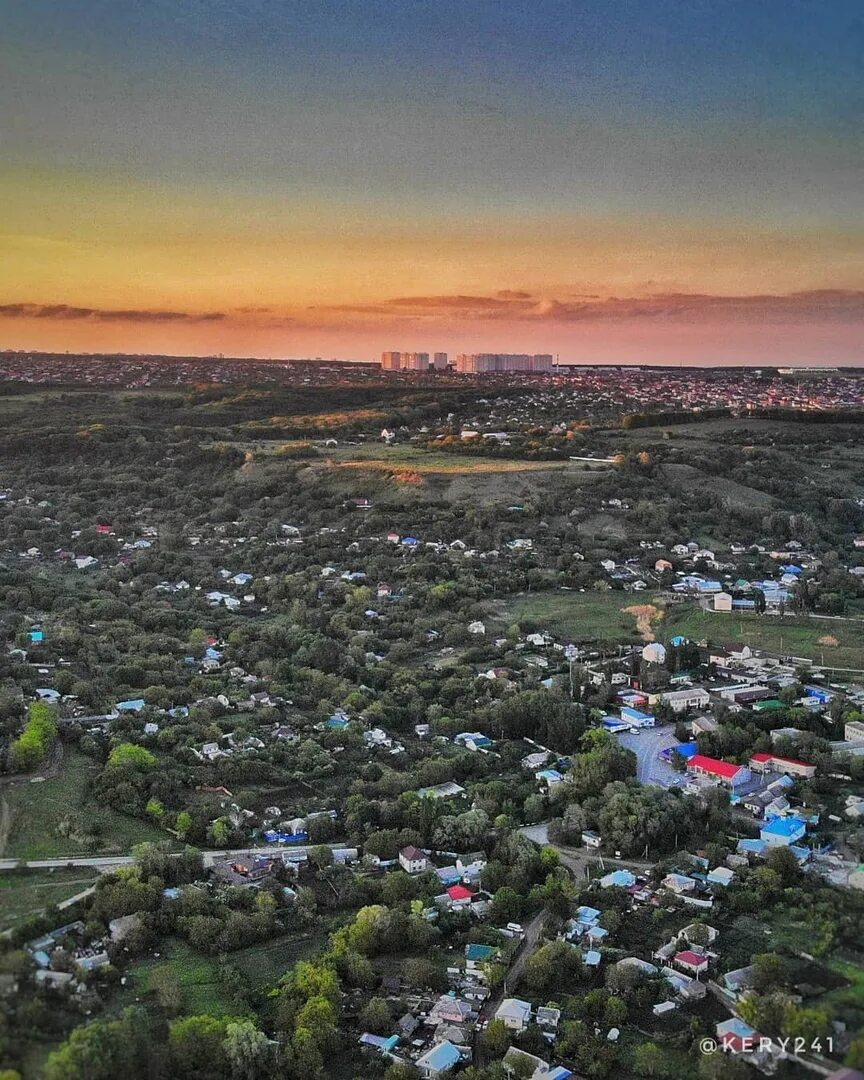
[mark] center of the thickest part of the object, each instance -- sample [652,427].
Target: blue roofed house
[133,705]
[438,1060]
[378,1042]
[637,718]
[621,879]
[550,777]
[781,832]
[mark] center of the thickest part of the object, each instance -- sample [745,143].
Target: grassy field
[431,461]
[266,963]
[790,635]
[580,616]
[196,975]
[848,1001]
[25,892]
[39,812]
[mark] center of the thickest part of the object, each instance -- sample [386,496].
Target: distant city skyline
[660,183]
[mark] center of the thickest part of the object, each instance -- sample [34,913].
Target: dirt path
[645,615]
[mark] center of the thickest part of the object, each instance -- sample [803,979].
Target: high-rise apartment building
[405,361]
[477,363]
[439,361]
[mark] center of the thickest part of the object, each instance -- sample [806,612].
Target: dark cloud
[812,305]
[450,303]
[65,312]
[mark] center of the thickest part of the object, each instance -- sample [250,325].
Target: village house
[412,860]
[514,1013]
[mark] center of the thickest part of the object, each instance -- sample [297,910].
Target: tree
[496,1039]
[855,1054]
[307,1055]
[807,1024]
[768,971]
[247,1049]
[552,966]
[103,1049]
[321,856]
[376,1017]
[507,906]
[720,1066]
[131,757]
[183,824]
[196,1046]
[35,740]
[649,1060]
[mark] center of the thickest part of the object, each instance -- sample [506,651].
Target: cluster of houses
[437,1035]
[64,957]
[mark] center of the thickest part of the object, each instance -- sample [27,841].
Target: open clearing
[787,635]
[598,616]
[26,892]
[581,616]
[40,811]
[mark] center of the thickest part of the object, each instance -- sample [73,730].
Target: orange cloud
[67,312]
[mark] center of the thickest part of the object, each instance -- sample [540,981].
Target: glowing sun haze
[612,181]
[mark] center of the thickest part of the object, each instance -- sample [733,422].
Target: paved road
[578,859]
[646,745]
[109,862]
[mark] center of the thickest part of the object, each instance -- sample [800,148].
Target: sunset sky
[610,180]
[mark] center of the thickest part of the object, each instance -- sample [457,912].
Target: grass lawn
[197,976]
[581,616]
[790,635]
[25,892]
[266,963]
[38,810]
[848,1001]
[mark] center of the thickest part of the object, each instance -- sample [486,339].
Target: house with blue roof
[621,879]
[131,706]
[550,777]
[440,1059]
[378,1042]
[636,718]
[781,832]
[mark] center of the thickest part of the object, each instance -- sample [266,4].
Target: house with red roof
[460,896]
[691,961]
[723,772]
[763,763]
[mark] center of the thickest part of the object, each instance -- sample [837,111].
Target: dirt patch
[827,640]
[645,615]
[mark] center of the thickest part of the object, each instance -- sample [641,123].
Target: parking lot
[646,745]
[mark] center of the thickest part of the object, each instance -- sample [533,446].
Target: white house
[412,860]
[515,1013]
[654,653]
